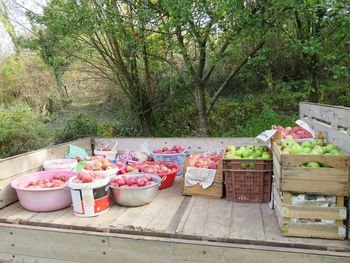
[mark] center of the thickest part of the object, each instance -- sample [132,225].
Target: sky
[19,21]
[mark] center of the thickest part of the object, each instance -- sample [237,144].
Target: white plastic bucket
[60,164]
[89,199]
[110,155]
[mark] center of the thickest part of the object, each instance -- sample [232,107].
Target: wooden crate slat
[293,160]
[329,213]
[314,230]
[314,187]
[309,173]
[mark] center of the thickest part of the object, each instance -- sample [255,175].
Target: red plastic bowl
[170,177]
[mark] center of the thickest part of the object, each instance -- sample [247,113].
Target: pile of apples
[151,167]
[316,147]
[132,182]
[99,164]
[166,150]
[248,152]
[207,161]
[296,132]
[83,178]
[56,181]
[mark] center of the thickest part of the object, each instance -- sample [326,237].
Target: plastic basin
[42,199]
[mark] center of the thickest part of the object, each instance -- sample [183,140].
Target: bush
[78,126]
[25,78]
[250,115]
[22,130]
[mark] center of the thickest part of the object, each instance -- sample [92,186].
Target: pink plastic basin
[43,199]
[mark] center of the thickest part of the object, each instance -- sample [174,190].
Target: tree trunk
[146,123]
[313,69]
[60,85]
[201,107]
[315,93]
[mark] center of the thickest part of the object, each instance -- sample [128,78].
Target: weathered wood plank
[107,247]
[192,144]
[126,219]
[166,213]
[332,114]
[314,187]
[309,173]
[18,164]
[15,258]
[197,218]
[247,222]
[218,222]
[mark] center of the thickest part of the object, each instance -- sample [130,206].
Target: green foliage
[261,121]
[25,78]
[104,130]
[78,126]
[231,114]
[21,130]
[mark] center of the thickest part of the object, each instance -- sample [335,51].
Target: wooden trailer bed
[173,228]
[189,228]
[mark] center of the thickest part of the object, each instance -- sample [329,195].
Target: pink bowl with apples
[42,199]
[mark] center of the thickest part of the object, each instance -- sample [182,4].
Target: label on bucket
[77,201]
[101,196]
[90,202]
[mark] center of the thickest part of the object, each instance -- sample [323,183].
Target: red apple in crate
[296,132]
[207,161]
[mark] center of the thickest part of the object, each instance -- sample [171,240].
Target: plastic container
[89,199]
[111,155]
[248,181]
[42,199]
[178,158]
[137,196]
[60,164]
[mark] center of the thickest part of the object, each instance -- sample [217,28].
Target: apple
[55,181]
[313,164]
[130,181]
[165,150]
[107,149]
[140,182]
[249,152]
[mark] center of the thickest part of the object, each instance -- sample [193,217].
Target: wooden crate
[213,191]
[285,211]
[291,176]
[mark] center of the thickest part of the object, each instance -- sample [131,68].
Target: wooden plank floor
[173,215]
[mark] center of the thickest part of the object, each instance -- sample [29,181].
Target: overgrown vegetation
[140,68]
[21,130]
